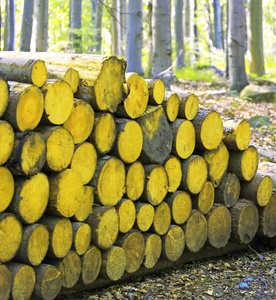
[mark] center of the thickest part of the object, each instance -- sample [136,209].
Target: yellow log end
[172,107]
[162,218]
[82,238]
[145,217]
[191,107]
[243,135]
[174,243]
[86,206]
[115,263]
[265,191]
[6,188]
[135,181]
[159,91]
[181,207]
[173,168]
[206,198]
[4,96]
[153,250]
[39,73]
[73,78]
[249,163]
[127,215]
[185,139]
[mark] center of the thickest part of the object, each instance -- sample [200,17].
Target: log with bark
[156,90]
[4,95]
[81,237]
[174,172]
[127,214]
[171,105]
[204,200]
[267,155]
[153,248]
[6,188]
[188,105]
[135,180]
[144,216]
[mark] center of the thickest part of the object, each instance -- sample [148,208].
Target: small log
[173,243]
[86,206]
[153,249]
[236,133]
[6,141]
[10,239]
[23,280]
[113,263]
[259,189]
[91,265]
[4,96]
[194,174]
[209,129]
[136,101]
[104,223]
[70,268]
[195,230]
[104,133]
[218,226]
[267,219]
[217,161]
[84,161]
[188,105]
[5,282]
[228,192]
[129,142]
[156,90]
[205,199]
[58,97]
[171,105]
[66,193]
[135,180]
[156,185]
[23,70]
[34,245]
[25,107]
[244,163]
[127,214]
[28,155]
[245,221]
[267,155]
[184,138]
[6,188]
[144,216]
[161,219]
[81,237]
[109,180]
[69,75]
[157,135]
[60,147]
[61,235]
[272,176]
[133,244]
[181,206]
[80,121]
[174,172]
[48,282]
[266,166]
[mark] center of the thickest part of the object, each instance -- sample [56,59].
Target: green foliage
[258,121]
[192,74]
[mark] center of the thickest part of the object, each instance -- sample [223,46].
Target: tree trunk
[135,180]
[217,24]
[26,25]
[236,41]
[91,265]
[39,40]
[6,141]
[179,35]
[255,37]
[98,26]
[134,40]
[9,35]
[174,172]
[75,26]
[148,71]
[189,28]
[161,32]
[127,214]
[114,12]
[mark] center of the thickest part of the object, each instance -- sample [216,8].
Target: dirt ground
[250,274]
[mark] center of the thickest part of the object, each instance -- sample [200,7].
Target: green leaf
[259,121]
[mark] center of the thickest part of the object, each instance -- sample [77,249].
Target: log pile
[116,176]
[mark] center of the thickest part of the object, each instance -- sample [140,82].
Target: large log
[184,138]
[34,245]
[127,214]
[23,69]
[188,105]
[135,180]
[157,135]
[113,263]
[109,180]
[28,155]
[60,147]
[209,129]
[6,141]
[61,235]
[5,282]
[156,91]
[6,188]
[194,174]
[84,161]
[144,216]
[48,282]
[171,105]
[174,172]
[30,198]
[81,237]
[25,107]
[244,163]
[4,95]
[153,248]
[236,133]
[181,206]
[267,219]
[104,223]
[204,200]
[80,121]
[58,97]
[162,218]
[23,280]
[11,236]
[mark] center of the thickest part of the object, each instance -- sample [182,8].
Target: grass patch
[192,74]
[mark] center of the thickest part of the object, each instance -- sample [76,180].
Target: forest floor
[248,274]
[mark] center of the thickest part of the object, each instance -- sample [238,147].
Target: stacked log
[117,177]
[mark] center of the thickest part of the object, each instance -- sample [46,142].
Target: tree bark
[217,24]
[75,26]
[9,38]
[98,26]
[179,35]
[26,25]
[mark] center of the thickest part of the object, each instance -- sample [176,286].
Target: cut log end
[72,77]
[6,141]
[86,206]
[91,265]
[162,218]
[81,237]
[153,249]
[249,163]
[267,219]
[5,282]
[6,188]
[4,96]
[127,215]
[205,199]
[174,172]
[188,106]
[135,180]
[39,73]
[144,217]
[171,106]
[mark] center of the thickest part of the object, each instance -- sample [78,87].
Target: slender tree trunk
[161,33]
[123,17]
[9,35]
[94,10]
[75,26]
[255,37]
[148,71]
[189,28]
[179,35]
[196,32]
[98,26]
[236,40]
[226,41]
[115,28]
[40,26]
[26,25]
[217,24]
[134,42]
